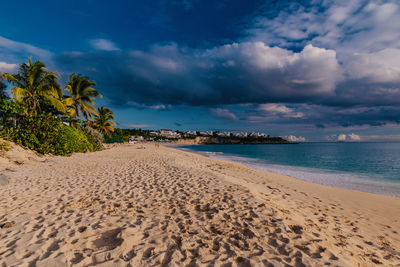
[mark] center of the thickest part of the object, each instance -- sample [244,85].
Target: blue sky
[311,69]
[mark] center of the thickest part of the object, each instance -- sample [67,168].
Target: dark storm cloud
[358,116]
[322,116]
[315,87]
[230,74]
[364,90]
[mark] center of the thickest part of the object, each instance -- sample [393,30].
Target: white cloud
[224,114]
[12,51]
[364,34]
[293,138]
[347,26]
[349,137]
[382,66]
[341,137]
[7,68]
[275,108]
[142,106]
[354,137]
[281,110]
[103,44]
[313,70]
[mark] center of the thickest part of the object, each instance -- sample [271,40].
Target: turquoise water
[370,167]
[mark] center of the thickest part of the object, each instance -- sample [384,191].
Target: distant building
[167,133]
[190,134]
[206,133]
[154,133]
[241,135]
[224,134]
[259,135]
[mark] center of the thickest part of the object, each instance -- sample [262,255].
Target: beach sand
[136,205]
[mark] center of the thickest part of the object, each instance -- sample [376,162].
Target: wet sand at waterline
[136,205]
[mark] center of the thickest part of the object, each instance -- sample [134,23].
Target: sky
[306,70]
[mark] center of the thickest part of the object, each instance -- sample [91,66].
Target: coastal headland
[141,205]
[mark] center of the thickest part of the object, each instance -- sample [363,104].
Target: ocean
[368,167]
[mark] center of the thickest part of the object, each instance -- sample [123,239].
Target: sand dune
[17,155]
[158,206]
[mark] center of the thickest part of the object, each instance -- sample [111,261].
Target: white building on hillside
[224,134]
[206,133]
[167,133]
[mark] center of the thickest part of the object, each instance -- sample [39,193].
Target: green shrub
[71,140]
[93,134]
[4,146]
[9,113]
[46,134]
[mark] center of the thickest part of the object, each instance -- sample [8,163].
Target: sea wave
[320,176]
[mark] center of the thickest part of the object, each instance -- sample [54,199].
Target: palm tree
[81,94]
[103,120]
[35,87]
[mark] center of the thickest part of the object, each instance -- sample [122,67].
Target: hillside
[201,140]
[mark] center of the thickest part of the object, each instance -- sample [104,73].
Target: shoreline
[142,205]
[348,180]
[287,177]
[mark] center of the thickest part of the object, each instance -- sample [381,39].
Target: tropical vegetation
[81,97]
[103,120]
[4,146]
[43,116]
[36,88]
[122,135]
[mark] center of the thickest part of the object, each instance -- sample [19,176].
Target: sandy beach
[136,205]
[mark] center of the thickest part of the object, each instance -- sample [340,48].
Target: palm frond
[68,101]
[57,104]
[19,93]
[12,79]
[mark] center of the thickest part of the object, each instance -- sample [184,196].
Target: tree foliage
[81,97]
[35,87]
[39,116]
[10,112]
[122,135]
[46,134]
[103,120]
